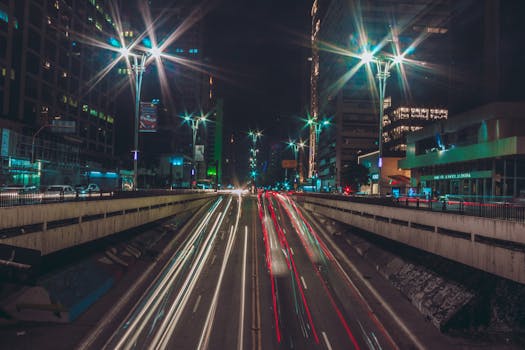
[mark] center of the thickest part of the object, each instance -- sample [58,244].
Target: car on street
[92,188]
[59,192]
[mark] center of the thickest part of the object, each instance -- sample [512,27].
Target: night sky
[262,47]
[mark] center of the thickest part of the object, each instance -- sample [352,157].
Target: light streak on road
[293,270]
[305,230]
[240,335]
[163,335]
[376,295]
[262,216]
[208,325]
[188,261]
[136,323]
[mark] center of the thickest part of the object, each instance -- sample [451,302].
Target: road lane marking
[197,303]
[213,259]
[291,250]
[304,283]
[325,337]
[240,336]
[166,329]
[256,306]
[373,291]
[206,331]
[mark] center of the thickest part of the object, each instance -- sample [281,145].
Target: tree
[354,175]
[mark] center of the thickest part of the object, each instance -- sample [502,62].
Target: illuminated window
[5,17]
[46,64]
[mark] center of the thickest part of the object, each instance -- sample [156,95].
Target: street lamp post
[383,65]
[295,148]
[383,72]
[194,125]
[254,135]
[138,67]
[317,126]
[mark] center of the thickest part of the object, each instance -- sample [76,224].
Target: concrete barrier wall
[81,222]
[494,246]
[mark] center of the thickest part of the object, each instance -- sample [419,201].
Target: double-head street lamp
[317,125]
[296,146]
[254,135]
[140,59]
[194,125]
[383,65]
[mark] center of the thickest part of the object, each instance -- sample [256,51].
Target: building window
[46,64]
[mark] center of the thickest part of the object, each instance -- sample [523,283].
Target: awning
[400,178]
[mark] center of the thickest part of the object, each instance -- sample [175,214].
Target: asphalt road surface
[256,272]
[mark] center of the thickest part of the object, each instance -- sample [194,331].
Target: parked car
[91,188]
[60,191]
[449,198]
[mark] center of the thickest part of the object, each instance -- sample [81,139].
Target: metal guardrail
[493,210]
[17,199]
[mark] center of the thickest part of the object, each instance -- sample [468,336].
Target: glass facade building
[49,79]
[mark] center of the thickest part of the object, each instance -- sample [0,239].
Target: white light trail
[137,322]
[206,331]
[240,335]
[163,335]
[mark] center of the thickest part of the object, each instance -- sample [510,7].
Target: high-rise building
[56,117]
[399,122]
[345,91]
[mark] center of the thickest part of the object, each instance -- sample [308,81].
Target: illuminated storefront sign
[459,176]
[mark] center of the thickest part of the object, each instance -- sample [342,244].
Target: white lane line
[213,259]
[240,335]
[304,283]
[197,303]
[291,250]
[325,337]
[206,331]
[341,255]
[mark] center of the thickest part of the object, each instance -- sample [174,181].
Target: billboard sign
[4,150]
[199,153]
[148,117]
[63,126]
[289,164]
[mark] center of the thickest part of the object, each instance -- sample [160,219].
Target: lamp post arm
[34,140]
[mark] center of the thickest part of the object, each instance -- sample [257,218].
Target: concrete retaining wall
[494,246]
[63,225]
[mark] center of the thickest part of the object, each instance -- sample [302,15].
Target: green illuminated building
[479,154]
